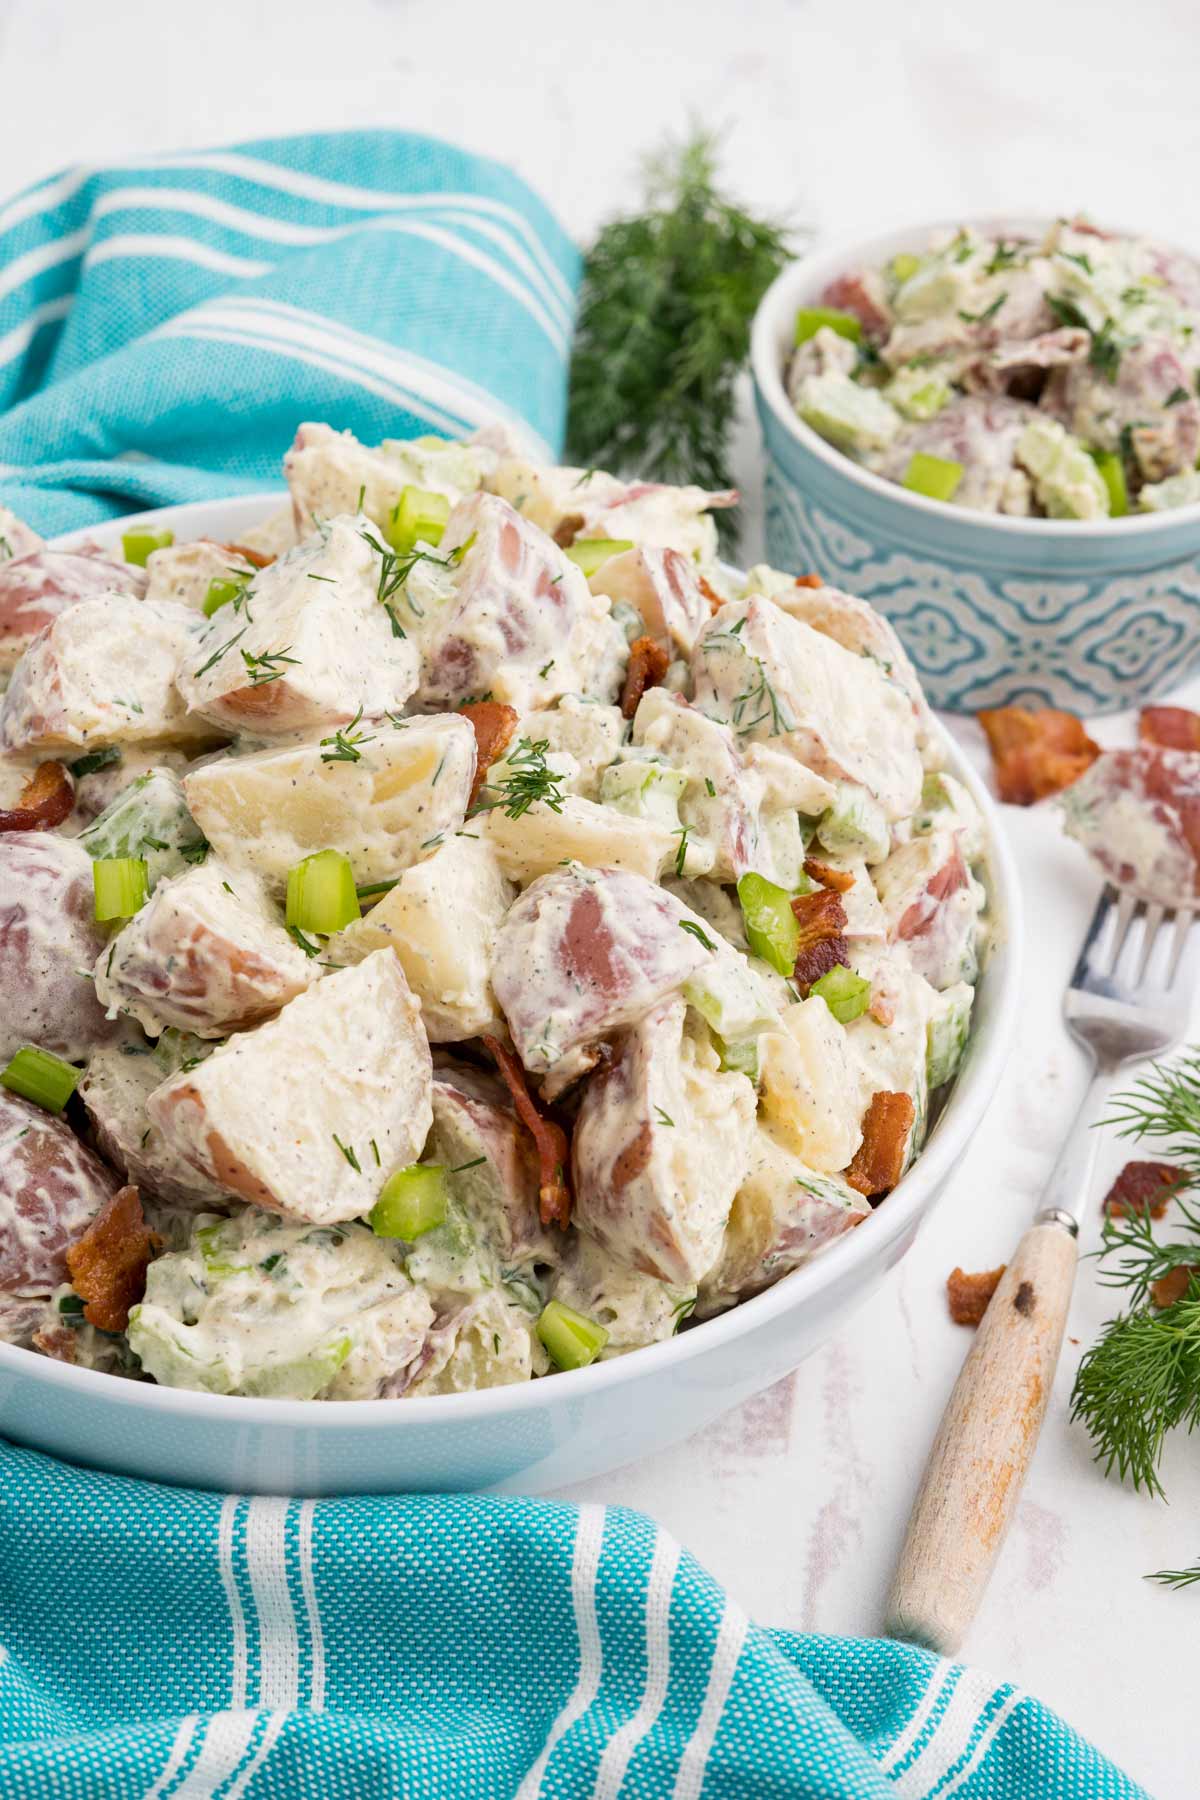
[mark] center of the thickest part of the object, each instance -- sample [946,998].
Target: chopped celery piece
[150,819]
[136,546]
[108,758]
[321,894]
[905,265]
[644,790]
[742,1056]
[1112,473]
[222,591]
[120,886]
[811,319]
[946,1034]
[732,997]
[591,554]
[844,993]
[934,476]
[38,1076]
[855,825]
[417,517]
[572,1339]
[413,1202]
[771,928]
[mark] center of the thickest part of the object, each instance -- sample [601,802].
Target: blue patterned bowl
[994,611]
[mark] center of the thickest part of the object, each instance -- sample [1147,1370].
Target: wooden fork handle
[985,1443]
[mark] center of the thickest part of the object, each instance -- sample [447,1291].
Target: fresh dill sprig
[530,780]
[1164,1103]
[343,746]
[1176,1578]
[664,325]
[267,667]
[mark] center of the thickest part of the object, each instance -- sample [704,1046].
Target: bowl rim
[806,275]
[852,1252]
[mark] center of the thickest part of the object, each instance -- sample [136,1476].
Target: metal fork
[1129,998]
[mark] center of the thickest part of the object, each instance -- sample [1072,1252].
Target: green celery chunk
[741,1056]
[137,546]
[419,516]
[811,319]
[321,895]
[855,825]
[771,928]
[120,886]
[572,1339]
[844,993]
[222,591]
[39,1076]
[413,1201]
[905,265]
[934,476]
[946,1034]
[590,554]
[1112,473]
[644,790]
[150,819]
[92,760]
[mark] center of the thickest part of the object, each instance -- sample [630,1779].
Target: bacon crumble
[107,1265]
[648,663]
[1169,727]
[840,879]
[810,581]
[1036,753]
[1174,1285]
[554,1151]
[879,1160]
[255,558]
[715,602]
[1143,1187]
[493,724]
[968,1295]
[822,921]
[45,800]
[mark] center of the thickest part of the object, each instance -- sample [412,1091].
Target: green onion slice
[572,1339]
[771,927]
[934,476]
[136,546]
[221,590]
[811,319]
[590,554]
[844,993]
[38,1076]
[320,893]
[1112,473]
[120,886]
[413,1202]
[417,517]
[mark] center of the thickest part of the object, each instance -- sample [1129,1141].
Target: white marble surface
[849,119]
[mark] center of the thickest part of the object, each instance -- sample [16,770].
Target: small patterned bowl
[994,611]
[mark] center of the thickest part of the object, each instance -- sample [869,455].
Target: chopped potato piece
[183,573]
[811,1086]
[116,1085]
[48,935]
[577,830]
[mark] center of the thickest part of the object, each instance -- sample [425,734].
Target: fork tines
[1137,946]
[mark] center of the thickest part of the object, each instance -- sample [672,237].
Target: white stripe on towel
[278,1638]
[46,256]
[14,343]
[227,1739]
[625,1740]
[948,1745]
[986,1739]
[589,1535]
[237,1617]
[176,1759]
[938,1676]
[270,1738]
[728,1650]
[316,1690]
[128,244]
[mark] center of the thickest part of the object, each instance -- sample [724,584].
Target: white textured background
[848,118]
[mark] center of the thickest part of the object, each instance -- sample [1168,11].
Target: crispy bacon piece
[255,558]
[822,921]
[568,529]
[554,1151]
[107,1265]
[1143,1187]
[968,1295]
[810,581]
[879,1160]
[648,663]
[715,602]
[1170,727]
[842,880]
[1173,1286]
[493,724]
[46,799]
[1036,753]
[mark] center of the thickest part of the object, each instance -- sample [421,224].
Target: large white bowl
[544,1433]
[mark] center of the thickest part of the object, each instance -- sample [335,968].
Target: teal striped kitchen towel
[165,321]
[174,1645]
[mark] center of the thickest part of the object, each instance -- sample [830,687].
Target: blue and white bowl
[994,611]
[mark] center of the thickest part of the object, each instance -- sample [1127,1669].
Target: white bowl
[540,1434]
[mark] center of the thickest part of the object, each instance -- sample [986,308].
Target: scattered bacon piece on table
[107,1265]
[1170,727]
[1036,754]
[822,921]
[968,1295]
[493,724]
[842,880]
[879,1160]
[554,1152]
[648,663]
[45,800]
[1143,1187]
[1173,1286]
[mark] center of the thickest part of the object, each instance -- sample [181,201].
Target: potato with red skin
[36,588]
[931,904]
[48,935]
[51,1187]
[473,1118]
[585,952]
[660,1148]
[663,588]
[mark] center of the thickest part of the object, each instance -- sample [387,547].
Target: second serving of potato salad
[1052,378]
[457,933]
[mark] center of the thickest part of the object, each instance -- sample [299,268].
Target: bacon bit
[107,1265]
[1173,1286]
[968,1295]
[882,1008]
[1036,753]
[810,581]
[822,921]
[840,879]
[567,530]
[1143,1187]
[1170,727]
[554,1152]
[648,663]
[45,801]
[879,1160]
[493,724]
[715,602]
[255,558]
[57,1341]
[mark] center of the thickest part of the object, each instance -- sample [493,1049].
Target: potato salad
[1052,378]
[457,933]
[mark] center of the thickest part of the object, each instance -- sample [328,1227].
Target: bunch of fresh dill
[1141,1379]
[664,325]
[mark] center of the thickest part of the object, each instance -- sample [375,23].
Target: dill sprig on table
[664,325]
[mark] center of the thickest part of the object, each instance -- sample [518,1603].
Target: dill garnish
[529,780]
[343,746]
[267,667]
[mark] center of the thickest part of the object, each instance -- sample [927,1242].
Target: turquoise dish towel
[185,1646]
[166,322]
